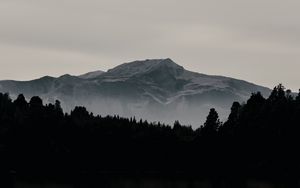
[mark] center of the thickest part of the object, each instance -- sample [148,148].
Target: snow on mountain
[157,90]
[165,81]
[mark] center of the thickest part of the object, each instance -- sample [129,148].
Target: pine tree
[231,123]
[21,102]
[36,102]
[277,94]
[176,126]
[298,96]
[58,108]
[212,123]
[233,116]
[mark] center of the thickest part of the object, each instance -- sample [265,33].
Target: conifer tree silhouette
[212,123]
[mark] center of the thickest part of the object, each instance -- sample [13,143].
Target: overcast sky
[254,40]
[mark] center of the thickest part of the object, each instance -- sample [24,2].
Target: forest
[260,139]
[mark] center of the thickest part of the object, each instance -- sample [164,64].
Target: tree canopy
[259,138]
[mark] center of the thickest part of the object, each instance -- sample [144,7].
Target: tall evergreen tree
[289,95]
[36,102]
[80,112]
[233,116]
[277,94]
[232,120]
[177,125]
[21,102]
[298,96]
[58,108]
[212,123]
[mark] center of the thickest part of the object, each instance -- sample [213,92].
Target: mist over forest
[258,141]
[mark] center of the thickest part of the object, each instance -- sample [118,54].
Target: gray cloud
[256,40]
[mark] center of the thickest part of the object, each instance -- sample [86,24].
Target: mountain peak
[65,76]
[158,62]
[170,63]
[144,66]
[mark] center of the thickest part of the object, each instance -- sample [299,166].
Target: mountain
[90,75]
[156,90]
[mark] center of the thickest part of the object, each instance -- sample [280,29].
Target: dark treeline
[260,139]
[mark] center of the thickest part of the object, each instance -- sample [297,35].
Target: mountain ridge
[154,89]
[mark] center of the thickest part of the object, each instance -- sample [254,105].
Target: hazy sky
[254,40]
